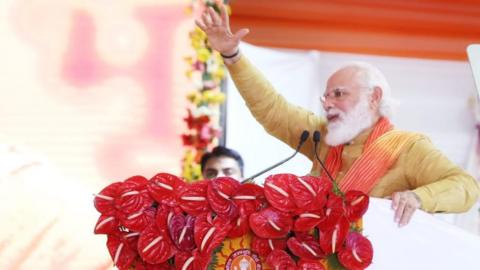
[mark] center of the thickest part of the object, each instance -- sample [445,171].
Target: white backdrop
[425,243]
[433,98]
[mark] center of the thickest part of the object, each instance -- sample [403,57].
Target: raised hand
[218,31]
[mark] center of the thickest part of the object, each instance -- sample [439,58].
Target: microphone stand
[316,139]
[303,138]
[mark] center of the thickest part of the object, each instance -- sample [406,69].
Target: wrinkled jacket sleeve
[279,118]
[441,185]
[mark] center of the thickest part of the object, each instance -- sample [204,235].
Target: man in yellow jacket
[363,151]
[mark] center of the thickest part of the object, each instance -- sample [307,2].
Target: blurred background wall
[92,92]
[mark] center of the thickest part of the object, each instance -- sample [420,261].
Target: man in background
[222,161]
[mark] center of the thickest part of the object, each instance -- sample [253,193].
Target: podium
[425,243]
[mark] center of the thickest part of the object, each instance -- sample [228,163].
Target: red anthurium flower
[357,253]
[105,200]
[356,204]
[181,231]
[209,233]
[278,193]
[155,246]
[193,198]
[271,223]
[140,265]
[305,247]
[120,251]
[165,214]
[106,225]
[131,238]
[263,246]
[163,187]
[240,225]
[138,221]
[250,197]
[191,261]
[332,238]
[308,220]
[310,192]
[184,261]
[309,265]
[220,193]
[334,210]
[280,260]
[134,195]
[334,201]
[326,184]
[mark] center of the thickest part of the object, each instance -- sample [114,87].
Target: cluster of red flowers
[203,134]
[165,223]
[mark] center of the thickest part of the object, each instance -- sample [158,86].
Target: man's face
[342,93]
[348,105]
[222,166]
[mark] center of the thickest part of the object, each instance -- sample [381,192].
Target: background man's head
[355,97]
[222,161]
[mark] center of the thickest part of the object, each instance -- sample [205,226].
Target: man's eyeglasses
[336,94]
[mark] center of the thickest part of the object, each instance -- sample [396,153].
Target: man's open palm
[218,31]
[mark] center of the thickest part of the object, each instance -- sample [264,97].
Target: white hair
[372,77]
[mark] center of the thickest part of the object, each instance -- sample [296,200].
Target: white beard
[349,124]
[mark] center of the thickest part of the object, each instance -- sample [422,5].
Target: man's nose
[327,104]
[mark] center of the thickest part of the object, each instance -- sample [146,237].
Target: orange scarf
[380,152]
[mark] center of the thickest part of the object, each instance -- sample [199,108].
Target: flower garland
[206,72]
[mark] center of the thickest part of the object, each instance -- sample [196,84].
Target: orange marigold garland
[206,72]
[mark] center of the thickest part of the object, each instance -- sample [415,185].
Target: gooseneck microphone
[316,139]
[303,138]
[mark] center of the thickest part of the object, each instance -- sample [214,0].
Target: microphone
[303,138]
[316,139]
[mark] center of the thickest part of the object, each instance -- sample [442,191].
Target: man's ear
[376,97]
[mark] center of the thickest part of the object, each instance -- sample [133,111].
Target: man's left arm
[440,185]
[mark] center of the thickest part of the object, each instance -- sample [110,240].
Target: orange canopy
[438,29]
